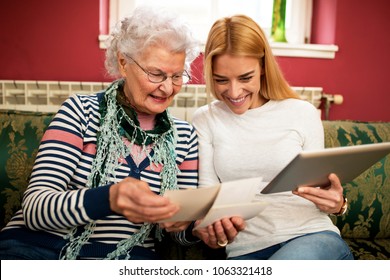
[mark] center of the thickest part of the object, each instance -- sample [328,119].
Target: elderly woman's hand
[328,199]
[220,233]
[175,226]
[133,199]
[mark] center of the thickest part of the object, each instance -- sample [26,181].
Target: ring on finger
[222,244]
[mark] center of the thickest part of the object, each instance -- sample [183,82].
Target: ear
[122,62]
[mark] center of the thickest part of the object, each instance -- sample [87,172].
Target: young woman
[254,128]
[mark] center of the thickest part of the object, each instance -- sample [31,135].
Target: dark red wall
[50,40]
[57,40]
[360,71]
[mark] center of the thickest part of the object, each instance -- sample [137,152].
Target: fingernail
[299,190]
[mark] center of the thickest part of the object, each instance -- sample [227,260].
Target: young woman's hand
[220,233]
[328,199]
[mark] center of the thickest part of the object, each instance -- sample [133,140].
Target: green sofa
[365,227]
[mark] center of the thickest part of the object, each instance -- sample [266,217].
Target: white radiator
[47,96]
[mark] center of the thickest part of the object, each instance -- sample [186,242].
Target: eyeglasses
[159,76]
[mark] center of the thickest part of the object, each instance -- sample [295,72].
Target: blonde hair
[241,35]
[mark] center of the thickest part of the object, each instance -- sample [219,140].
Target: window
[202,13]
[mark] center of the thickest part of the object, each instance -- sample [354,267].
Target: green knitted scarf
[118,120]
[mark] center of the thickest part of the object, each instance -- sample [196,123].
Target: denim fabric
[11,249]
[325,245]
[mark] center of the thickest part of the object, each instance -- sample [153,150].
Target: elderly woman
[106,158]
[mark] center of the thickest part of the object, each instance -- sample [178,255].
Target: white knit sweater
[261,142]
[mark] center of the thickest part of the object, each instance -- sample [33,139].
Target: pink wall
[57,40]
[323,26]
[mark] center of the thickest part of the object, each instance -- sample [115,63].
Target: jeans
[12,249]
[325,245]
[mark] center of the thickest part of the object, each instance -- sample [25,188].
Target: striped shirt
[57,198]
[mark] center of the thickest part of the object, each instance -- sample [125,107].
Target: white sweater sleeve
[312,128]
[202,123]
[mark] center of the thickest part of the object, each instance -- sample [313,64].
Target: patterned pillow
[20,134]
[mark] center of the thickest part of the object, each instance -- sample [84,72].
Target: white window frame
[298,29]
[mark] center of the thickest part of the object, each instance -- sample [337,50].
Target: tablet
[313,167]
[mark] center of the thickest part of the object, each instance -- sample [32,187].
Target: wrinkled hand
[222,231]
[175,226]
[328,199]
[134,200]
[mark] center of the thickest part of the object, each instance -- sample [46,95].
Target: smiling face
[237,82]
[143,95]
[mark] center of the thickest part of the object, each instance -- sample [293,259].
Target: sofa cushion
[368,216]
[365,227]
[20,134]
[369,249]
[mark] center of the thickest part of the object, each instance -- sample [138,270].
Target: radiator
[47,96]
